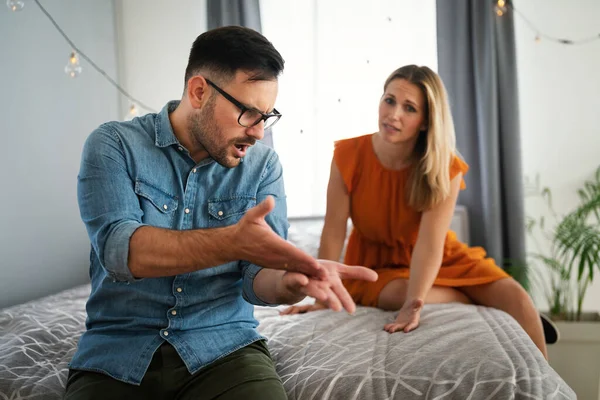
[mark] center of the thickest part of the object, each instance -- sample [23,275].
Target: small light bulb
[15,5]
[73,69]
[132,113]
[500,8]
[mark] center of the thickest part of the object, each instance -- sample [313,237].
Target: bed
[458,352]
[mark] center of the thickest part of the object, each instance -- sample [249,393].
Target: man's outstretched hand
[329,292]
[257,243]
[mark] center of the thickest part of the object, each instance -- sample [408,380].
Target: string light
[15,5]
[502,7]
[73,68]
[132,113]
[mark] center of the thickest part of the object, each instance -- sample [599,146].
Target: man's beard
[206,134]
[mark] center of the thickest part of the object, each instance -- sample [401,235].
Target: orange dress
[385,226]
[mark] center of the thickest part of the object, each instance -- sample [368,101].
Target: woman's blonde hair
[429,182]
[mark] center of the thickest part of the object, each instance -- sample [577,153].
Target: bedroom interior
[525,93]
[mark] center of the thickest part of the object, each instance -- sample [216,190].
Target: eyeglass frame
[264,117]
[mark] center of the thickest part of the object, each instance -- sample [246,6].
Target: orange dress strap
[347,156]
[458,165]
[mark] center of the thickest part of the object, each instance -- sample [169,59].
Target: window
[338,54]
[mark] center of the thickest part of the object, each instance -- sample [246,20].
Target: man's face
[215,126]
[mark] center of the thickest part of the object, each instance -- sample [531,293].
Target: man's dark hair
[224,51]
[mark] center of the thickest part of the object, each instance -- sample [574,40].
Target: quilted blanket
[458,352]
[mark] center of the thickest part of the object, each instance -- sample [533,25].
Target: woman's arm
[426,259]
[336,217]
[428,252]
[334,229]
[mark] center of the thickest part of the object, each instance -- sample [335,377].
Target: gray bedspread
[458,352]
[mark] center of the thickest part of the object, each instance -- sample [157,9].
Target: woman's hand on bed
[408,317]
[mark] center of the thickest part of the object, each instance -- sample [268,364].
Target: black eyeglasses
[249,117]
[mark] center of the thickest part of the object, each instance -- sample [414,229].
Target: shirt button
[166,207]
[220,213]
[173,312]
[166,333]
[179,290]
[180,148]
[187,210]
[194,170]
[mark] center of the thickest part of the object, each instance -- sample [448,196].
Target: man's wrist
[287,295]
[229,243]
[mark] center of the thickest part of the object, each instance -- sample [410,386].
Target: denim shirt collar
[164,135]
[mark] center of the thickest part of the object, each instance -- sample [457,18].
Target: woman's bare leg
[393,295]
[509,296]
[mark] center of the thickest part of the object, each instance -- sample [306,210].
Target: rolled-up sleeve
[108,205]
[271,185]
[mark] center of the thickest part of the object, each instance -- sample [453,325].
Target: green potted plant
[573,257]
[563,271]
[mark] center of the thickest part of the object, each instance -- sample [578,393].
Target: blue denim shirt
[137,173]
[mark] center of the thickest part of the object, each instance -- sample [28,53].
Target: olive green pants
[248,374]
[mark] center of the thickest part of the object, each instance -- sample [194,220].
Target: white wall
[338,55]
[144,45]
[559,99]
[154,41]
[326,56]
[46,116]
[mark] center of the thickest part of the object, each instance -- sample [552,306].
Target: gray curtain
[477,62]
[236,12]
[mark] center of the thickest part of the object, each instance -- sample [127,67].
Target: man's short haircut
[222,52]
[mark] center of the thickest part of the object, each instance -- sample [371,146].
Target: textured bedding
[458,352]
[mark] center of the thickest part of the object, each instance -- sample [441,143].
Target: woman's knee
[393,295]
[506,294]
[520,300]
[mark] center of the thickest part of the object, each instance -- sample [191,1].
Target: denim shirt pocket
[228,211]
[158,206]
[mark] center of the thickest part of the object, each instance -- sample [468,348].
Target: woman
[399,186]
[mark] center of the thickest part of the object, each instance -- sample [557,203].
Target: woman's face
[402,112]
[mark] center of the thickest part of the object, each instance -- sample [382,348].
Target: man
[184,208]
